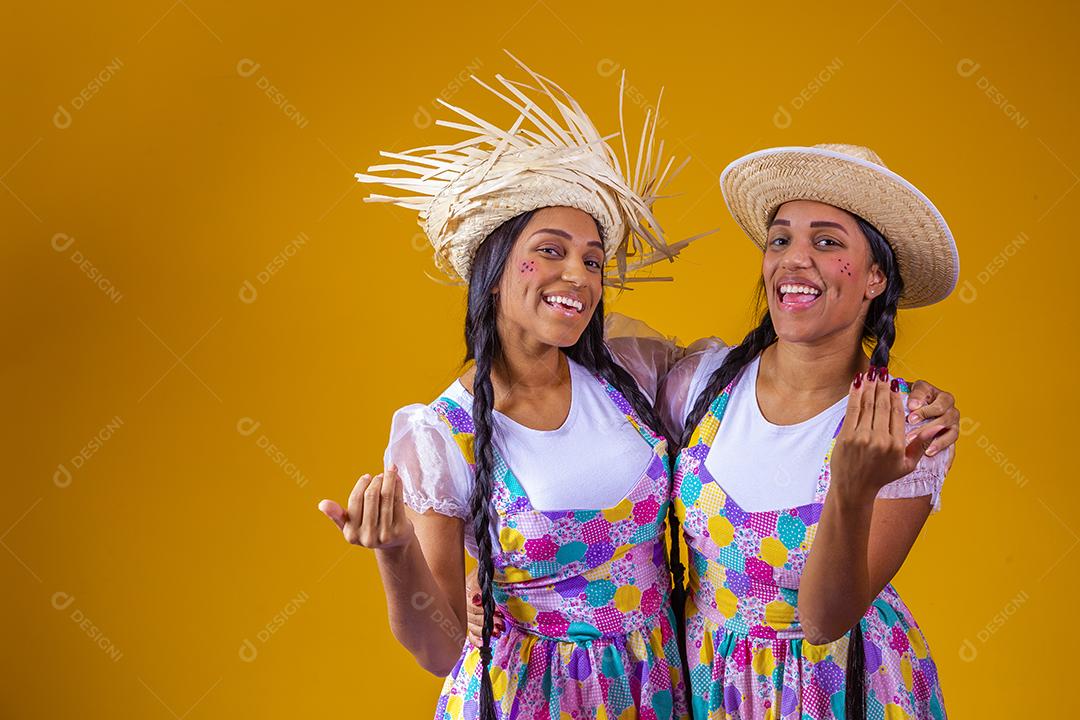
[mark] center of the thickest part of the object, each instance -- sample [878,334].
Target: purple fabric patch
[579,667]
[599,554]
[810,514]
[738,583]
[571,587]
[829,676]
[460,420]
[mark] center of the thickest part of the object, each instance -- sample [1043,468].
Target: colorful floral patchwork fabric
[590,633]
[745,646]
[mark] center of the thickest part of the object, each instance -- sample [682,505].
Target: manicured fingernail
[476,599]
[894,385]
[858,380]
[872,375]
[884,372]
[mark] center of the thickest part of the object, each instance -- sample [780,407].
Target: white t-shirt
[765,466]
[590,462]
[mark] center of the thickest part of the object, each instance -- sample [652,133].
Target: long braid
[879,328]
[482,345]
[483,403]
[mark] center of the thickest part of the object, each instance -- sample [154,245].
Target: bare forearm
[835,589]
[422,618]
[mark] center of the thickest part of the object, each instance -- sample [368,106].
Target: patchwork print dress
[590,633]
[745,645]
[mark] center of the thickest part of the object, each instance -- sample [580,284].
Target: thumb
[335,512]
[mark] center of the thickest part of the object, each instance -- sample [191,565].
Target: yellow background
[162,555]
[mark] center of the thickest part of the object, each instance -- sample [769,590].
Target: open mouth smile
[565,305]
[797,295]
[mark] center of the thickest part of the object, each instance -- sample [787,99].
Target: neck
[819,369]
[526,365]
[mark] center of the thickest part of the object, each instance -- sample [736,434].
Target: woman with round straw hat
[535,219]
[791,612]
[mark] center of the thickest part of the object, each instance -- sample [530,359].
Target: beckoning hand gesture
[376,516]
[871,450]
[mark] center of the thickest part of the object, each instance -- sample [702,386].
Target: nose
[574,272]
[796,256]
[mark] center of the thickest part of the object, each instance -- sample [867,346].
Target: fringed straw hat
[463,191]
[855,179]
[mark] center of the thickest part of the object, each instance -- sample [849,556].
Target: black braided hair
[879,330]
[483,347]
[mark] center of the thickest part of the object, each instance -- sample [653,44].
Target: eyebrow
[826,223]
[814,224]
[566,236]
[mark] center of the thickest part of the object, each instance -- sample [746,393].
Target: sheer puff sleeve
[433,471]
[927,477]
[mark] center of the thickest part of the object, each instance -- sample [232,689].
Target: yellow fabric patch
[917,645]
[779,615]
[511,539]
[454,706]
[515,575]
[905,670]
[629,713]
[815,653]
[465,442]
[773,552]
[521,610]
[706,652]
[726,602]
[471,660]
[525,652]
[619,512]
[764,662]
[498,682]
[627,598]
[895,712]
[721,531]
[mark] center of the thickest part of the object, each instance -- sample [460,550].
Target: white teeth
[569,302]
[805,289]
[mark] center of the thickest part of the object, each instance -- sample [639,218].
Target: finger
[356,508]
[922,393]
[854,405]
[896,417]
[387,494]
[941,403]
[370,523]
[866,402]
[917,448]
[942,440]
[335,512]
[882,403]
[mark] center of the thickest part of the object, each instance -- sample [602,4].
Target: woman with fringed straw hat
[535,219]
[791,612]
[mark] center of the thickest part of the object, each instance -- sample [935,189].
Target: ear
[875,283]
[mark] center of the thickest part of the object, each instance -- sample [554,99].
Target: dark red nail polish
[871,376]
[895,385]
[858,380]
[884,372]
[476,599]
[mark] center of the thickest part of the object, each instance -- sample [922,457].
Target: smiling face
[818,271]
[551,283]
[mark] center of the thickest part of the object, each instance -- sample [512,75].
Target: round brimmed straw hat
[853,178]
[551,157]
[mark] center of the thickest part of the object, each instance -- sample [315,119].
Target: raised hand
[872,448]
[376,516]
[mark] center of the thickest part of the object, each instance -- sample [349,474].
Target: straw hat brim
[755,185]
